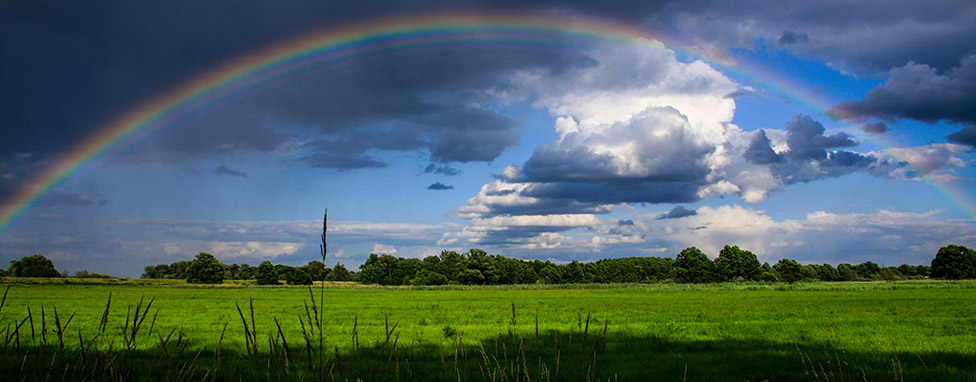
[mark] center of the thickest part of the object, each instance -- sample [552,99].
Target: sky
[141,133]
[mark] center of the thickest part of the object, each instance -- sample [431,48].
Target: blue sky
[830,132]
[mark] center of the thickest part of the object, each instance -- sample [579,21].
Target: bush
[205,269]
[267,275]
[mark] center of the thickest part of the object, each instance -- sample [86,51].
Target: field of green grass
[923,330]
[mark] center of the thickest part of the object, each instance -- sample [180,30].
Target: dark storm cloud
[806,139]
[441,170]
[853,36]
[966,136]
[875,128]
[809,157]
[760,151]
[920,92]
[341,161]
[17,169]
[677,212]
[440,186]
[68,69]
[791,37]
[471,135]
[226,171]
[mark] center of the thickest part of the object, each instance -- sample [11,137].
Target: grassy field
[737,332]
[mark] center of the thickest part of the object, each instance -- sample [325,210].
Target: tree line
[691,265]
[206,269]
[40,266]
[477,267]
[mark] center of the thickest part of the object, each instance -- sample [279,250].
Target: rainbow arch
[314,51]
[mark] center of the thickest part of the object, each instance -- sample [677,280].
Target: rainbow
[316,51]
[332,48]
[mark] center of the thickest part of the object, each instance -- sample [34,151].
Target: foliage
[316,270]
[692,266]
[733,263]
[477,267]
[266,274]
[954,262]
[298,276]
[845,272]
[84,274]
[789,271]
[339,273]
[205,269]
[33,266]
[867,271]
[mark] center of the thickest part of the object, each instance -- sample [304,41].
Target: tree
[952,262]
[827,272]
[266,275]
[692,266]
[155,271]
[427,277]
[33,266]
[205,269]
[178,270]
[549,274]
[845,272]
[867,270]
[471,277]
[316,269]
[298,277]
[788,270]
[339,273]
[733,263]
[574,273]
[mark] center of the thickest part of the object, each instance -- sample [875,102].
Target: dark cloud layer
[869,38]
[966,136]
[920,92]
[92,62]
[70,68]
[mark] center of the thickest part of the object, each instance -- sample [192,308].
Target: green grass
[921,330]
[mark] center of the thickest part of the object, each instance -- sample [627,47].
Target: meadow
[913,330]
